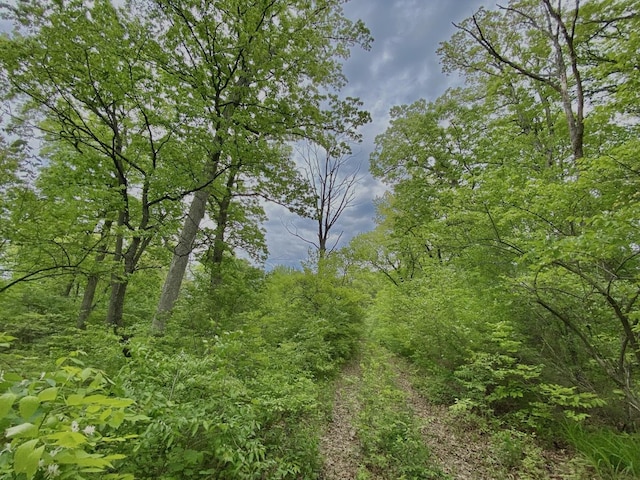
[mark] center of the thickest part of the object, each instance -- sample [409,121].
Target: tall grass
[612,454]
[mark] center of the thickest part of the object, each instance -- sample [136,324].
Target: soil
[339,446]
[461,453]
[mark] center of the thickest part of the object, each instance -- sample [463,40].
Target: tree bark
[171,287]
[173,282]
[92,282]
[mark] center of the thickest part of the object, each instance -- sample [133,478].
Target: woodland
[499,290]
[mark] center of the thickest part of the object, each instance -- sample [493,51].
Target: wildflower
[53,470]
[55,451]
[74,426]
[89,430]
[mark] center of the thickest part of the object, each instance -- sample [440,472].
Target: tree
[332,181]
[256,68]
[516,182]
[85,70]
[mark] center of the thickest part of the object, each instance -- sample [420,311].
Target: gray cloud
[401,67]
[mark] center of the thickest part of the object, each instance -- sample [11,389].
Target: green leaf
[48,394]
[27,457]
[6,402]
[28,406]
[116,419]
[67,439]
[23,430]
[74,399]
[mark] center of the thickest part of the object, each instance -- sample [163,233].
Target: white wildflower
[53,470]
[89,430]
[75,427]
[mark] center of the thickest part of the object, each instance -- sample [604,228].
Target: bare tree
[332,179]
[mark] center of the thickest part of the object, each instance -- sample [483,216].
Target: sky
[401,67]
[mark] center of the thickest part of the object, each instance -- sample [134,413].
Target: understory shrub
[237,412]
[69,422]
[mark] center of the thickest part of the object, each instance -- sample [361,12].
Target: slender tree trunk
[92,282]
[217,255]
[121,281]
[171,287]
[116,302]
[87,300]
[222,219]
[173,282]
[69,287]
[116,277]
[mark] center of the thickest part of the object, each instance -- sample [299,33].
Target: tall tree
[518,182]
[262,67]
[85,69]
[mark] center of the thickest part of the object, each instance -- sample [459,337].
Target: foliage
[66,423]
[612,454]
[313,317]
[238,411]
[518,201]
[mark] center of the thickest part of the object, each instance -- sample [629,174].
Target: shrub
[65,423]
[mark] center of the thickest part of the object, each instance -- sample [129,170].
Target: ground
[458,450]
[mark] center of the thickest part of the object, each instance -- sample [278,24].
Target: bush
[66,423]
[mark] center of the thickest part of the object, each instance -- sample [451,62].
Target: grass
[612,454]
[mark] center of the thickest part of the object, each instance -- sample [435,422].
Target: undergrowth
[389,433]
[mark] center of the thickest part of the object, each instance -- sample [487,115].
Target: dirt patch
[462,455]
[339,445]
[459,457]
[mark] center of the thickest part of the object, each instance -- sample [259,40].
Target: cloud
[401,67]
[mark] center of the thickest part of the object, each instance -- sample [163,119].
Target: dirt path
[339,445]
[460,456]
[461,453]
[468,455]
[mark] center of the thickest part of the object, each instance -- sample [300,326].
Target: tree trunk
[217,255]
[171,287]
[116,302]
[222,219]
[87,300]
[92,282]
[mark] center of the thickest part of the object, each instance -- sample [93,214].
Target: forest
[486,328]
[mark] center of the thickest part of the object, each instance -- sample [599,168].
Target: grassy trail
[382,428]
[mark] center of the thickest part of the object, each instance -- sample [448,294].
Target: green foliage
[517,451]
[237,412]
[205,311]
[311,316]
[612,454]
[390,438]
[66,423]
